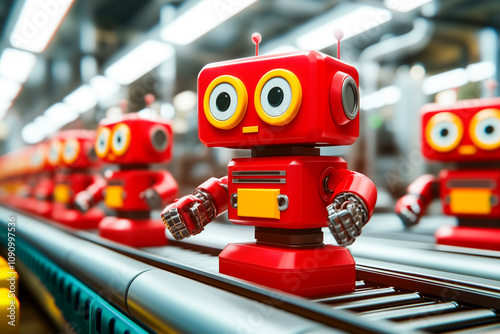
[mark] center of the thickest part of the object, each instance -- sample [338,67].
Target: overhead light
[82,99]
[404,5]
[16,65]
[355,22]
[57,116]
[103,87]
[4,107]
[200,19]
[37,23]
[142,59]
[8,89]
[32,133]
[444,81]
[281,49]
[383,97]
[481,71]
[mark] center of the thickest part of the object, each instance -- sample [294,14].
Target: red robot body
[467,133]
[38,197]
[281,107]
[74,173]
[132,143]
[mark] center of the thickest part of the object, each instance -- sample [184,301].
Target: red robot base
[306,272]
[133,232]
[76,219]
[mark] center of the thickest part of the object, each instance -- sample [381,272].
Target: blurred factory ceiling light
[404,5]
[9,90]
[16,65]
[37,23]
[356,21]
[459,77]
[142,59]
[444,81]
[104,88]
[82,99]
[383,97]
[200,18]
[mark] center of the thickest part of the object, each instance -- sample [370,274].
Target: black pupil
[489,129]
[444,132]
[275,96]
[223,101]
[119,139]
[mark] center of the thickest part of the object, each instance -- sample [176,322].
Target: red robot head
[467,131]
[133,140]
[299,98]
[73,149]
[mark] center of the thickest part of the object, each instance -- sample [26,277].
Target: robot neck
[274,151]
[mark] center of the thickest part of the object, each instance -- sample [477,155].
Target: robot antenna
[338,34]
[256,38]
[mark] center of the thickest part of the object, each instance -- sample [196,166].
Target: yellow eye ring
[121,145]
[477,124]
[55,152]
[101,145]
[235,112]
[73,145]
[292,101]
[447,123]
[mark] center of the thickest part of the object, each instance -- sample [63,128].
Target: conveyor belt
[388,297]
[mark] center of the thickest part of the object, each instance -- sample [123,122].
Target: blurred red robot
[132,143]
[74,159]
[281,107]
[467,134]
[39,180]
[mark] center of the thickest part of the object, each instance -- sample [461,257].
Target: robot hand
[409,209]
[152,198]
[83,201]
[185,217]
[346,216]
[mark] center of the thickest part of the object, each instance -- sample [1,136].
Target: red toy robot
[281,107]
[39,181]
[468,134]
[74,163]
[132,143]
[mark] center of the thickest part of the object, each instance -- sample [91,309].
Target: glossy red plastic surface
[471,237]
[314,124]
[133,232]
[141,149]
[304,272]
[301,182]
[465,110]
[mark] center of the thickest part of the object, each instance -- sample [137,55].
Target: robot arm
[163,191]
[353,201]
[188,216]
[84,200]
[420,194]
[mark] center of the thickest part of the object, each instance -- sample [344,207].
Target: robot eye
[37,158]
[55,152]
[71,151]
[159,138]
[485,129]
[102,142]
[225,102]
[278,96]
[444,131]
[120,140]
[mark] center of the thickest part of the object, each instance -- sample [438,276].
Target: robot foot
[304,272]
[75,219]
[135,233]
[471,237]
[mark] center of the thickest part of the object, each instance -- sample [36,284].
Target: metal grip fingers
[346,217]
